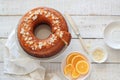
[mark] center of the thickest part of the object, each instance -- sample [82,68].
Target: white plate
[112,35]
[81,77]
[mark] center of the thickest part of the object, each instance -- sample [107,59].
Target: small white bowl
[81,77]
[112,35]
[104,54]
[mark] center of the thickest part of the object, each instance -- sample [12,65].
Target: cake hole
[42,31]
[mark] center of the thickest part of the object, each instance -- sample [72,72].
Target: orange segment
[76,65]
[71,56]
[75,74]
[68,69]
[76,59]
[82,67]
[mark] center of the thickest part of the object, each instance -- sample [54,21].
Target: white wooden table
[91,16]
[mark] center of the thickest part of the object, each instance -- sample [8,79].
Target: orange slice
[77,58]
[82,67]
[75,74]
[68,69]
[71,56]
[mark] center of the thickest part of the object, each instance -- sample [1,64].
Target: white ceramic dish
[81,77]
[112,35]
[105,54]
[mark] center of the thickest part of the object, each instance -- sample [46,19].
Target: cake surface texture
[43,48]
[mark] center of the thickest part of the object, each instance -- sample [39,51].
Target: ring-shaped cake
[43,48]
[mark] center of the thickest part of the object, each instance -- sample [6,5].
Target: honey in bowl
[76,66]
[99,54]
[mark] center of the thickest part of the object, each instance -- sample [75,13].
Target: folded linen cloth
[20,64]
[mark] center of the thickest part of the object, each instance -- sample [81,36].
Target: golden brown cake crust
[50,46]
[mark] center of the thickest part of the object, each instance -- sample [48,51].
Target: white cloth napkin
[20,64]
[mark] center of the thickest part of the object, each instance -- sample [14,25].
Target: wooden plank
[89,26]
[77,7]
[8,23]
[20,7]
[98,72]
[105,72]
[113,55]
[2,49]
